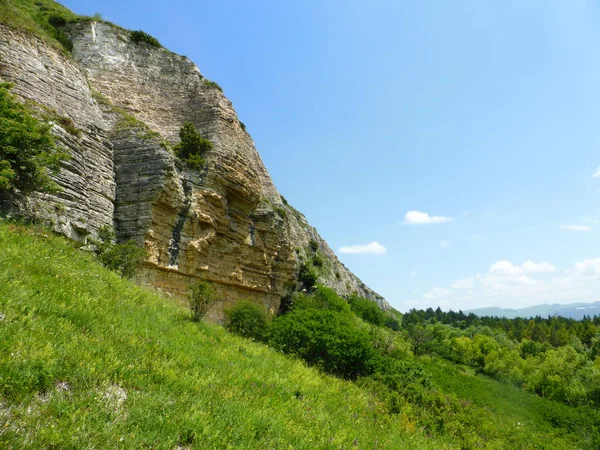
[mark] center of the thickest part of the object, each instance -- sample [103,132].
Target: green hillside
[88,357]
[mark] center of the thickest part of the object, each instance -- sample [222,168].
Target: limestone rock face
[227,223]
[48,80]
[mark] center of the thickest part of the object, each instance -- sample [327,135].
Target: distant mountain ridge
[571,310]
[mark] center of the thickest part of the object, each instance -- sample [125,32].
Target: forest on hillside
[554,357]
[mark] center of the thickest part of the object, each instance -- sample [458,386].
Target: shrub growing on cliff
[192,147]
[140,36]
[202,298]
[247,319]
[126,258]
[57,23]
[308,276]
[215,85]
[27,148]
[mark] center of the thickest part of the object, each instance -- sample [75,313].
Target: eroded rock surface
[227,224]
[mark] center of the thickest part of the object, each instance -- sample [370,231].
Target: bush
[322,298]
[313,245]
[317,260]
[326,339]
[367,310]
[140,36]
[213,84]
[192,147]
[281,212]
[202,297]
[27,148]
[247,319]
[57,22]
[392,322]
[307,276]
[126,258]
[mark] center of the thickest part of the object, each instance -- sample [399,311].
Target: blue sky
[481,117]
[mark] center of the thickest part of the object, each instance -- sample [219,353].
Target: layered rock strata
[227,223]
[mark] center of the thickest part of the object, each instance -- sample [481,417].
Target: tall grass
[89,360]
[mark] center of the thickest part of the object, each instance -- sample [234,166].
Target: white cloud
[413,273]
[436,293]
[465,283]
[444,243]
[543,267]
[576,227]
[508,269]
[505,268]
[597,174]
[588,267]
[510,285]
[421,218]
[374,247]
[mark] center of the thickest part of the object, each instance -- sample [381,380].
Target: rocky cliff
[125,102]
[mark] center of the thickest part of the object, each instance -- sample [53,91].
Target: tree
[27,148]
[192,147]
[419,338]
[202,297]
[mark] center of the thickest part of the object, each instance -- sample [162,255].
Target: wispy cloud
[576,227]
[597,174]
[588,266]
[466,283]
[436,293]
[374,248]
[513,285]
[444,243]
[422,218]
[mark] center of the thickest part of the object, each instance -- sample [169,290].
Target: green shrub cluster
[140,37]
[214,85]
[202,297]
[325,339]
[247,319]
[125,258]
[281,212]
[192,146]
[367,310]
[317,260]
[307,275]
[28,152]
[58,22]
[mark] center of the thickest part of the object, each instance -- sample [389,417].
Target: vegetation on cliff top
[42,18]
[47,20]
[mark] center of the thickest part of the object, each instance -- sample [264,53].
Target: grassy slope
[520,419]
[90,360]
[32,16]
